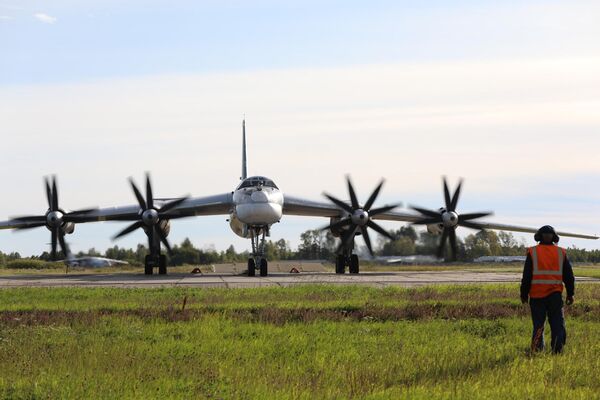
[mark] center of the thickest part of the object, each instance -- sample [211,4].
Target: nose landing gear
[258,238]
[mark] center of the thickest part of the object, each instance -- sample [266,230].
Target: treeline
[316,244]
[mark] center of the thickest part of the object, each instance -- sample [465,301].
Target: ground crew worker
[546,269]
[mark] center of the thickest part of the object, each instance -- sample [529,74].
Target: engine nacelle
[68,227]
[238,227]
[165,224]
[435,229]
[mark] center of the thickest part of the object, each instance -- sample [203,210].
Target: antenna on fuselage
[244,163]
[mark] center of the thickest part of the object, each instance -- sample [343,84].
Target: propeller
[358,217]
[449,219]
[55,219]
[149,216]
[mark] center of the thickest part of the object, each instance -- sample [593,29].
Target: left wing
[308,208]
[297,206]
[515,228]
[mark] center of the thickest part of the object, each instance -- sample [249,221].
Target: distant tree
[316,244]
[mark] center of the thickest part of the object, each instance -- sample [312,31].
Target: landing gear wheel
[148,265]
[162,265]
[263,267]
[354,264]
[251,267]
[340,265]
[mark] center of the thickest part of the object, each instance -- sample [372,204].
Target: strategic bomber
[253,207]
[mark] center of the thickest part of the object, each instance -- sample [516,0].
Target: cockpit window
[257,181]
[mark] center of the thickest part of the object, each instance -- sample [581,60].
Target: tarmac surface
[207,280]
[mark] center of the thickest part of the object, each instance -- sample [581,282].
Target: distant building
[500,259]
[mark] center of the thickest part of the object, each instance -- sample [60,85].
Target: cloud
[524,133]
[45,18]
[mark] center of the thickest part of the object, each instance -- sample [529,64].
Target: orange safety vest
[547,277]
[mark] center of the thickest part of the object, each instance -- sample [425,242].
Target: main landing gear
[351,261]
[152,262]
[258,260]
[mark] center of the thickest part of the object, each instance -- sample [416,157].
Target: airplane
[253,207]
[92,262]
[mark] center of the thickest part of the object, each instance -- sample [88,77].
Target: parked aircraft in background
[92,262]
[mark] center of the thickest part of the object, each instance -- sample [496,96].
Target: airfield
[233,276]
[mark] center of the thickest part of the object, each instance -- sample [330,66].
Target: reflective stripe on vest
[546,281]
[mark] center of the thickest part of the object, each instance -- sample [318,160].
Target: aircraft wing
[308,208]
[514,228]
[220,204]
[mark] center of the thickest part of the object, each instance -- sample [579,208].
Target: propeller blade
[31,218]
[467,217]
[379,229]
[129,229]
[152,245]
[365,234]
[382,210]
[442,245]
[447,199]
[472,225]
[454,201]
[373,197]
[138,195]
[171,205]
[54,195]
[339,203]
[453,245]
[63,244]
[48,193]
[353,198]
[53,242]
[340,224]
[31,226]
[149,197]
[79,216]
[163,239]
[429,213]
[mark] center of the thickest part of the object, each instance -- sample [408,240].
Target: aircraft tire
[162,265]
[148,265]
[263,267]
[251,267]
[354,264]
[340,265]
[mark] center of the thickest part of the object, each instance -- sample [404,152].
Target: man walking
[546,269]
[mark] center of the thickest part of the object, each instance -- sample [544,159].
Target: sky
[503,94]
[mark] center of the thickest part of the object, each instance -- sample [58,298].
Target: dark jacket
[568,277]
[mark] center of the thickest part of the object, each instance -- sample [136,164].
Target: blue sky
[91,40]
[504,94]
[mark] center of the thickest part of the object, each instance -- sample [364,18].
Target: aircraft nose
[259,197]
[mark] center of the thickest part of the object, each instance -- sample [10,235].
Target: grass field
[310,342]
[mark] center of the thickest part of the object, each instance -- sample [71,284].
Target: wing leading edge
[309,208]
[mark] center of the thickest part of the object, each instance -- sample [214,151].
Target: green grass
[308,342]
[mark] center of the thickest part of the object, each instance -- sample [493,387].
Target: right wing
[220,204]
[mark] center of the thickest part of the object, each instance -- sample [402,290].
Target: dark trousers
[552,308]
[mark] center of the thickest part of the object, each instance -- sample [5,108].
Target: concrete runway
[378,279]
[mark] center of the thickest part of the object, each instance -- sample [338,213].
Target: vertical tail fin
[244,162]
